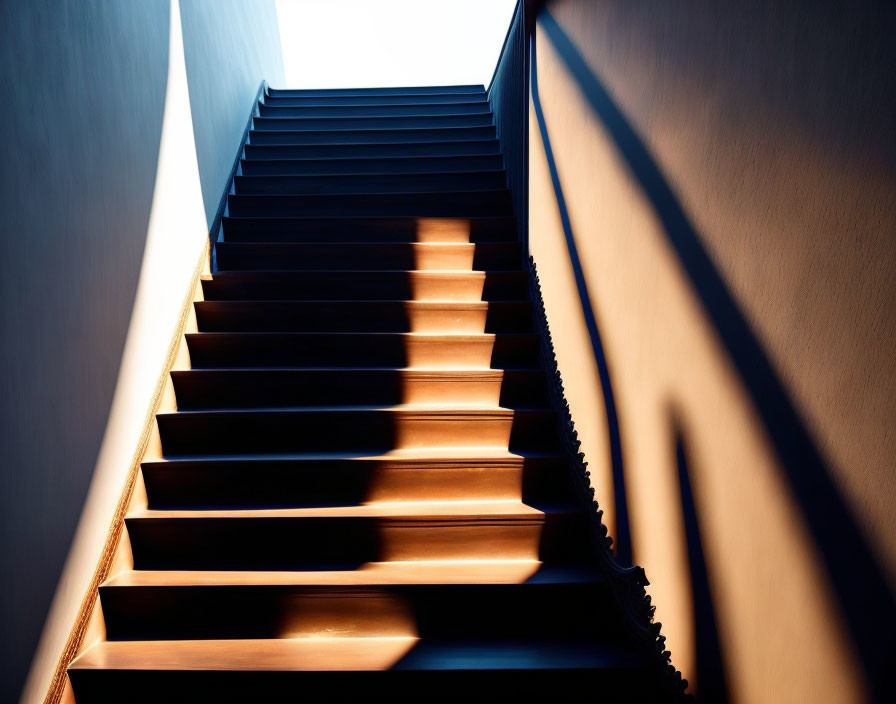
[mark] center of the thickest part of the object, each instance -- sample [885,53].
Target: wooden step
[269,388]
[350,428]
[353,100]
[361,285]
[387,165]
[478,600]
[429,350]
[349,122]
[368,256]
[349,669]
[274,108]
[466,89]
[377,135]
[345,537]
[333,479]
[429,204]
[369,229]
[364,316]
[457,147]
[364,183]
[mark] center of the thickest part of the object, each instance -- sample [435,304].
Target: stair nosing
[411,272]
[376,243]
[378,144]
[371,193]
[376,129]
[404,510]
[374,117]
[429,303]
[330,218]
[428,410]
[556,575]
[371,105]
[419,455]
[403,370]
[398,157]
[453,336]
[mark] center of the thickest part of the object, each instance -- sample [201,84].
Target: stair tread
[391,194]
[371,117]
[361,244]
[376,129]
[410,455]
[475,409]
[398,157]
[423,273]
[449,336]
[407,572]
[367,174]
[383,90]
[417,510]
[366,218]
[451,142]
[339,106]
[459,305]
[352,654]
[481,101]
[404,371]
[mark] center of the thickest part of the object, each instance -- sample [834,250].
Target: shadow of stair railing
[866,601]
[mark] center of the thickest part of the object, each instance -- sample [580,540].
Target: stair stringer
[628,584]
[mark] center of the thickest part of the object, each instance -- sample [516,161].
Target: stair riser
[367,257]
[376,100]
[241,350]
[280,388]
[428,611]
[197,484]
[297,543]
[394,685]
[440,204]
[397,183]
[350,430]
[401,165]
[274,109]
[384,150]
[373,136]
[362,316]
[346,286]
[340,122]
[369,230]
[404,91]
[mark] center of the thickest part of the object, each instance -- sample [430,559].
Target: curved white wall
[117,153]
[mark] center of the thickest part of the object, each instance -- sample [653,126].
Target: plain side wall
[772,123]
[230,47]
[94,321]
[84,85]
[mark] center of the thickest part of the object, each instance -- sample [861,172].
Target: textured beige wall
[772,129]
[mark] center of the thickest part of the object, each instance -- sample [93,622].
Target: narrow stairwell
[364,492]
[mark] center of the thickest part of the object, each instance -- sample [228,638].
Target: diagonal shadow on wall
[712,684]
[623,532]
[864,597]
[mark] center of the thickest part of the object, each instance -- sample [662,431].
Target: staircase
[363,492]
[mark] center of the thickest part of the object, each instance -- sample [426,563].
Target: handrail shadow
[709,665]
[622,537]
[866,601]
